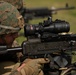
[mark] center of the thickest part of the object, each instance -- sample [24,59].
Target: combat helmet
[17,3]
[10,19]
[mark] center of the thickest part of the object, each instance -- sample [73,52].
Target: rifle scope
[55,27]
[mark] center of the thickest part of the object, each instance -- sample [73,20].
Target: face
[8,39]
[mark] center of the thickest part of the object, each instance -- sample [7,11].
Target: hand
[32,66]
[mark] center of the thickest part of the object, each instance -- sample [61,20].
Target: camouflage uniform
[10,22]
[10,19]
[17,3]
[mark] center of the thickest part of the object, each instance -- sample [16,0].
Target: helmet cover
[17,3]
[10,19]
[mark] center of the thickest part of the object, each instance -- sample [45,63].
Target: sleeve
[15,73]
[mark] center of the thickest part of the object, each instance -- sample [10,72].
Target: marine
[11,22]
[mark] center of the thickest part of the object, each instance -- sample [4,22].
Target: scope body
[55,27]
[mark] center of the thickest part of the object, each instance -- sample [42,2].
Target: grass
[67,15]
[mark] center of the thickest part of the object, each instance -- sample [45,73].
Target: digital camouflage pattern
[17,3]
[10,19]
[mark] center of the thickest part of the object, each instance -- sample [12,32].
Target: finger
[37,72]
[27,60]
[39,66]
[43,61]
[15,66]
[41,73]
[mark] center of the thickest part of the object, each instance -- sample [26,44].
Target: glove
[32,66]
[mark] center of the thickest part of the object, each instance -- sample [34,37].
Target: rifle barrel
[4,49]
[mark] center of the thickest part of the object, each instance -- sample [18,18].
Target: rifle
[31,13]
[45,40]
